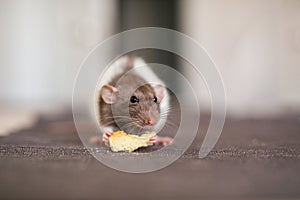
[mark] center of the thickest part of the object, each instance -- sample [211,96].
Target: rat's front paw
[163,141]
[105,138]
[152,141]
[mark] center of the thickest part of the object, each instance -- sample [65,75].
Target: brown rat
[128,102]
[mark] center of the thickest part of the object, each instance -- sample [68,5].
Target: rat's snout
[150,121]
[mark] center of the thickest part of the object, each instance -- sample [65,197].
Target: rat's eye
[155,100]
[134,99]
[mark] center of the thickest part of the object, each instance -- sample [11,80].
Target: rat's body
[127,100]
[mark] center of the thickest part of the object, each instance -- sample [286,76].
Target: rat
[128,101]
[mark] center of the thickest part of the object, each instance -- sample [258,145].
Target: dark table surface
[254,159]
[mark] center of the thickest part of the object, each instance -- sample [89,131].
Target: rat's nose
[149,121]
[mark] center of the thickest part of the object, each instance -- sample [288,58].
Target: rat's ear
[159,92]
[109,94]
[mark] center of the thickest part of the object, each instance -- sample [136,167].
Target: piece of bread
[121,141]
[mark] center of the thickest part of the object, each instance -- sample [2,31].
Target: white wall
[43,43]
[256,46]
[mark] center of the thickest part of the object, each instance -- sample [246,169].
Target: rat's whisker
[122,117]
[171,124]
[169,114]
[170,110]
[128,125]
[141,128]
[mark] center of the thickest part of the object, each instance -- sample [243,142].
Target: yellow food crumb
[121,141]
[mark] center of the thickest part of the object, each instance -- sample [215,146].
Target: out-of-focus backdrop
[255,45]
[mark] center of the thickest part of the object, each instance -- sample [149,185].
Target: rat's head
[143,103]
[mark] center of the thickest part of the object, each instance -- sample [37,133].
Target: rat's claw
[105,138]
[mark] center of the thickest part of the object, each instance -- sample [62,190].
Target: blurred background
[255,45]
